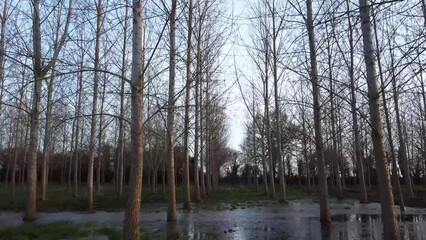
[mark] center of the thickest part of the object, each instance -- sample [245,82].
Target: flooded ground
[295,220]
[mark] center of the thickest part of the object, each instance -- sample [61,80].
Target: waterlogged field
[228,214]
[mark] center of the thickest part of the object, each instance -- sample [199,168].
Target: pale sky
[236,110]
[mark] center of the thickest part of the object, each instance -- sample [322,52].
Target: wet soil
[298,219]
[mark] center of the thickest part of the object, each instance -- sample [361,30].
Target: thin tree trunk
[171,210]
[48,124]
[402,146]
[92,144]
[200,103]
[3,20]
[208,136]
[264,168]
[336,166]
[278,136]
[267,119]
[395,174]
[355,128]
[132,214]
[254,150]
[72,150]
[40,72]
[15,160]
[77,129]
[197,117]
[324,205]
[100,138]
[30,213]
[187,202]
[120,164]
[390,224]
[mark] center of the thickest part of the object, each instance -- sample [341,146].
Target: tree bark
[132,213]
[355,128]
[77,128]
[171,210]
[100,138]
[3,20]
[40,72]
[395,174]
[390,224]
[120,163]
[268,127]
[199,102]
[187,202]
[334,137]
[197,119]
[324,205]
[279,159]
[92,144]
[402,146]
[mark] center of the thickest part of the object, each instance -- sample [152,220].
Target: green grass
[52,231]
[106,200]
[64,230]
[58,199]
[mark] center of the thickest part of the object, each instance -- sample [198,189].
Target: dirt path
[296,220]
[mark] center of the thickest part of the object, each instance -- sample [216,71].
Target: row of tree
[116,68]
[341,66]
[68,71]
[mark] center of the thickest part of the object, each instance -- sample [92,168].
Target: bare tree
[40,72]
[187,202]
[132,214]
[324,205]
[171,210]
[119,168]
[390,224]
[48,125]
[93,126]
[3,20]
[355,128]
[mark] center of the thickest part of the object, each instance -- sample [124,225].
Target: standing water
[296,220]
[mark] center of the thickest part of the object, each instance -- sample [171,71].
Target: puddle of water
[296,220]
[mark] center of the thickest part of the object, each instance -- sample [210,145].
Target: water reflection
[251,224]
[296,220]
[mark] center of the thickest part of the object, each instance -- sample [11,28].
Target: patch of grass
[64,231]
[59,199]
[52,231]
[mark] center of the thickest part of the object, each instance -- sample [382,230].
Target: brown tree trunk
[92,144]
[275,30]
[267,118]
[132,213]
[324,205]
[197,118]
[395,174]
[100,138]
[187,202]
[3,20]
[171,210]
[334,136]
[77,129]
[402,146]
[120,164]
[355,128]
[200,105]
[390,224]
[264,168]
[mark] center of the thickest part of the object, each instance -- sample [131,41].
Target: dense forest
[135,96]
